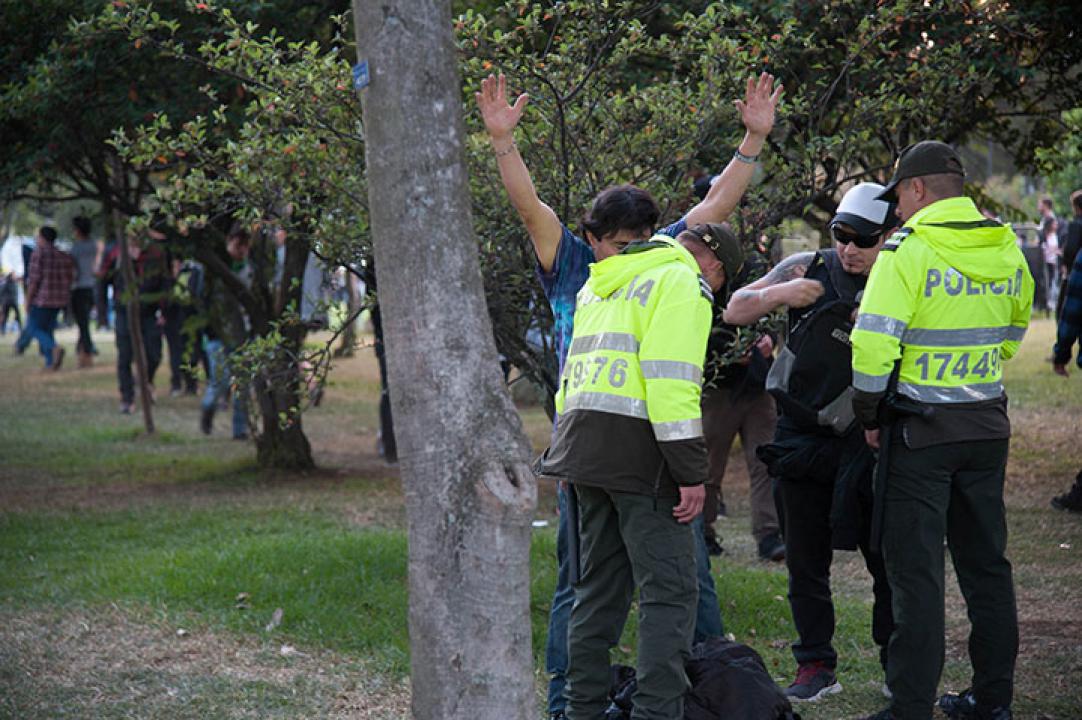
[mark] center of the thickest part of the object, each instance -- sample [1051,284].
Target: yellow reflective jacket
[950,294]
[629,396]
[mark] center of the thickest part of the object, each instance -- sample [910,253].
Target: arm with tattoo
[783,285]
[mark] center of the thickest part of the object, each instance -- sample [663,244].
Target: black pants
[184,350]
[5,311]
[806,504]
[82,300]
[954,490]
[152,341]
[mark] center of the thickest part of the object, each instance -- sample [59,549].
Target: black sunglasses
[846,236]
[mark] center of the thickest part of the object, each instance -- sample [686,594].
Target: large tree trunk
[469,491]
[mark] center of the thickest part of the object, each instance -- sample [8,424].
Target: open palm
[759,104]
[500,117]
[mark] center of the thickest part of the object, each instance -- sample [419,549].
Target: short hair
[1047,202]
[239,231]
[82,224]
[48,232]
[623,207]
[1076,200]
[944,185]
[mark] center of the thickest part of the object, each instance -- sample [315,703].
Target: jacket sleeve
[671,354]
[885,312]
[1023,305]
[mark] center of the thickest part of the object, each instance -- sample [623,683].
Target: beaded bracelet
[503,153]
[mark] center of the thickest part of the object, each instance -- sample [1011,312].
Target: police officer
[629,437]
[947,302]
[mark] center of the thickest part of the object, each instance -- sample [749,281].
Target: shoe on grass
[206,420]
[125,408]
[963,706]
[1071,501]
[713,547]
[772,548]
[814,681]
[58,358]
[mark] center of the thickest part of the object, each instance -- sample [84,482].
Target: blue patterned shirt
[569,273]
[1070,323]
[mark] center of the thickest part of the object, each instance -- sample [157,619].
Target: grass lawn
[167,577]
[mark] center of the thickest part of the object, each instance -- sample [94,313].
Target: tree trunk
[469,491]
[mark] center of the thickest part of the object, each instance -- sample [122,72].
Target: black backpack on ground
[729,681]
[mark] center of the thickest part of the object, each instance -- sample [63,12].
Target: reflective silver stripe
[671,370]
[1016,333]
[621,342]
[604,402]
[678,430]
[882,324]
[959,337]
[870,383]
[960,394]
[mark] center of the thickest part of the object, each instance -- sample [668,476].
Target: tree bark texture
[469,491]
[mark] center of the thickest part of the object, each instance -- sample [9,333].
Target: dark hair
[623,207]
[82,224]
[1076,200]
[239,231]
[48,232]
[1047,202]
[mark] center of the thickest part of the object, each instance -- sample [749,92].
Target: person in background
[87,255]
[1048,240]
[48,290]
[1068,333]
[1072,242]
[226,331]
[153,279]
[9,302]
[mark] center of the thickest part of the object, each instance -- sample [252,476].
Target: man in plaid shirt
[48,289]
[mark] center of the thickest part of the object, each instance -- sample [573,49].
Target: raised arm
[785,284]
[757,112]
[500,119]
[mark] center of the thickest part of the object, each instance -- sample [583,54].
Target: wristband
[749,159]
[504,153]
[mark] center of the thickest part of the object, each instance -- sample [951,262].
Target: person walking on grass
[87,256]
[48,290]
[618,216]
[226,331]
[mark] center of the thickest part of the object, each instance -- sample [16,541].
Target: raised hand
[500,117]
[759,103]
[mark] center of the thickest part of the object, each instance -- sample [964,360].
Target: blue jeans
[40,323]
[560,614]
[708,623]
[218,385]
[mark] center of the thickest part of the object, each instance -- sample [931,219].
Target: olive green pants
[631,542]
[954,490]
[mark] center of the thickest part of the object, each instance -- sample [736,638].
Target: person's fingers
[750,90]
[520,104]
[777,94]
[501,90]
[764,83]
[740,106]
